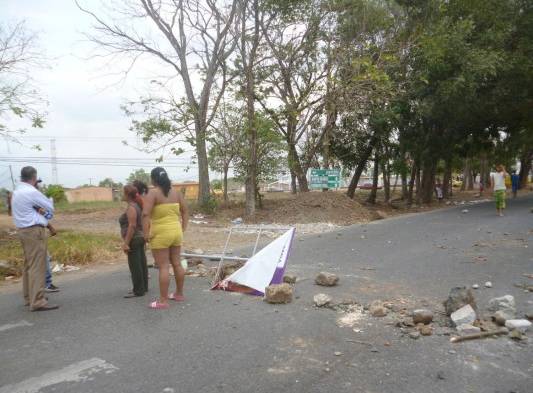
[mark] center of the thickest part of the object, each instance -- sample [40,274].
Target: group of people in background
[156,216]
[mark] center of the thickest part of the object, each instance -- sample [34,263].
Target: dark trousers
[138,266]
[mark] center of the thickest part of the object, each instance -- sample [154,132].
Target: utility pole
[12,179]
[90,181]
[53,154]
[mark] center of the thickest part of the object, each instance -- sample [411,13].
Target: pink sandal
[158,306]
[178,298]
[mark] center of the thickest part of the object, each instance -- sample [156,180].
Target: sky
[83,116]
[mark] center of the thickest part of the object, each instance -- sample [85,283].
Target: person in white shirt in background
[31,228]
[497,184]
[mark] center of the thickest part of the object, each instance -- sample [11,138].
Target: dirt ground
[313,212]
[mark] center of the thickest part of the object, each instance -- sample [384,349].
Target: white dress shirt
[25,197]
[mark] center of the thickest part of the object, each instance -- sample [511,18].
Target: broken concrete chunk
[504,303]
[522,325]
[289,278]
[475,286]
[422,316]
[414,335]
[278,293]
[488,284]
[467,329]
[504,315]
[459,297]
[321,300]
[378,310]
[464,316]
[326,279]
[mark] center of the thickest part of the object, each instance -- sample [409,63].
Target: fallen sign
[264,268]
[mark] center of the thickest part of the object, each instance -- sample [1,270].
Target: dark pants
[138,267]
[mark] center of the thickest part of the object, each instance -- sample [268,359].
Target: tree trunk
[405,189]
[296,167]
[467,176]
[414,171]
[360,168]
[525,167]
[418,186]
[293,182]
[203,167]
[225,183]
[375,178]
[248,64]
[447,179]
[428,182]
[386,181]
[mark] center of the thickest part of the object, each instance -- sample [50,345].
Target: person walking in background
[31,228]
[165,218]
[497,184]
[134,244]
[515,183]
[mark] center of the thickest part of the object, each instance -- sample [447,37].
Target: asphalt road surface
[223,342]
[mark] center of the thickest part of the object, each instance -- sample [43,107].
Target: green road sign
[325,178]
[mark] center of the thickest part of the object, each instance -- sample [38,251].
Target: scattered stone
[326,279]
[229,268]
[415,335]
[408,322]
[464,211]
[467,329]
[452,352]
[422,316]
[425,330]
[529,314]
[465,315]
[198,251]
[504,303]
[459,297]
[7,270]
[475,286]
[501,316]
[516,335]
[378,310]
[237,221]
[278,293]
[322,300]
[521,325]
[289,278]
[488,284]
[338,353]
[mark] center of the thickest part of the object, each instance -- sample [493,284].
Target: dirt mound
[333,207]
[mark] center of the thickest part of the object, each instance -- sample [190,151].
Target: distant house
[89,194]
[189,189]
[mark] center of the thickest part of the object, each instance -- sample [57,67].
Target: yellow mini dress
[166,226]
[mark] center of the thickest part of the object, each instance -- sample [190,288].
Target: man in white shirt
[497,183]
[31,228]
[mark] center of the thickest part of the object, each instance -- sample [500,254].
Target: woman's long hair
[133,194]
[141,187]
[160,178]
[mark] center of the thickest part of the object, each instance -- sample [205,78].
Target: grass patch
[86,207]
[68,247]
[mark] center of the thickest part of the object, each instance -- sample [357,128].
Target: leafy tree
[110,183]
[19,98]
[56,192]
[139,174]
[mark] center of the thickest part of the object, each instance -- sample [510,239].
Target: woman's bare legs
[162,259]
[179,271]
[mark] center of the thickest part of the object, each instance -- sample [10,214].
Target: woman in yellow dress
[165,218]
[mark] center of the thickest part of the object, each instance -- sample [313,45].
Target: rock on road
[225,342]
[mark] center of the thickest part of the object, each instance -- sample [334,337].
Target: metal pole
[219,268]
[257,240]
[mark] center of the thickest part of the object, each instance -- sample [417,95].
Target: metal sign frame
[223,257]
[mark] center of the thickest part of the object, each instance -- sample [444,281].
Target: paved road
[223,342]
